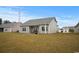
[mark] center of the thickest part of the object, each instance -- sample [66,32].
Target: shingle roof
[8,25]
[77,24]
[39,21]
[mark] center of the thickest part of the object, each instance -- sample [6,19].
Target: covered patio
[1,29]
[34,29]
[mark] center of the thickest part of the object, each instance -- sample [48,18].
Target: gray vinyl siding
[7,29]
[65,30]
[77,29]
[40,28]
[27,30]
[52,27]
[14,29]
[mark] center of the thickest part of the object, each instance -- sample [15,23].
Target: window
[47,28]
[23,29]
[43,29]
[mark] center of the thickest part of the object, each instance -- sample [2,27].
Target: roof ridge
[43,18]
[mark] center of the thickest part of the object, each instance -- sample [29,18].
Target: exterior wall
[40,29]
[14,28]
[52,27]
[27,30]
[7,29]
[60,31]
[77,29]
[65,30]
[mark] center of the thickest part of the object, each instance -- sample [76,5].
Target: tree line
[4,22]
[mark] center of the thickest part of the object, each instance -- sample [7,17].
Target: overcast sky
[65,15]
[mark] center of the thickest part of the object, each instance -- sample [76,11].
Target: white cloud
[26,18]
[9,13]
[13,16]
[67,21]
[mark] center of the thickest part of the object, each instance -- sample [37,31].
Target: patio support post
[45,28]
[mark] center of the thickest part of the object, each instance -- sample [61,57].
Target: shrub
[71,30]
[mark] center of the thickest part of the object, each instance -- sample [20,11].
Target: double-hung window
[43,28]
[23,29]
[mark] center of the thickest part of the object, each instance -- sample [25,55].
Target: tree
[6,21]
[0,21]
[71,30]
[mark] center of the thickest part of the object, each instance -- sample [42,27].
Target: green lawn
[18,42]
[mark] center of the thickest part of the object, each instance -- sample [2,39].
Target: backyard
[39,43]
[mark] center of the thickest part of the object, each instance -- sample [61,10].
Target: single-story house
[10,27]
[68,29]
[74,29]
[77,28]
[41,25]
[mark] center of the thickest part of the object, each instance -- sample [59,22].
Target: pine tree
[0,21]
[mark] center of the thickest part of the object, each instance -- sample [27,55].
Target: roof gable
[8,25]
[77,25]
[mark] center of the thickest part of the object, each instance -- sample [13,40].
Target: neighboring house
[10,27]
[77,28]
[70,29]
[67,29]
[74,29]
[42,25]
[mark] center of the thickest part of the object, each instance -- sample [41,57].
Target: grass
[18,42]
